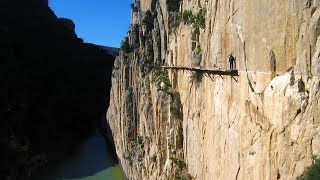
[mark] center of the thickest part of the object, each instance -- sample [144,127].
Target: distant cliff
[54,88]
[262,124]
[110,50]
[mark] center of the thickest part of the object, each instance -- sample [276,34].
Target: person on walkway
[231,61]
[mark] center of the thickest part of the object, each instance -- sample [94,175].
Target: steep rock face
[68,23]
[262,124]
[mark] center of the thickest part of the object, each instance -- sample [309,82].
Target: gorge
[54,88]
[168,104]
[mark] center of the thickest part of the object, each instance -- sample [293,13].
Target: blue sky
[103,22]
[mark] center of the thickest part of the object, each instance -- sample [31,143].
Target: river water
[92,161]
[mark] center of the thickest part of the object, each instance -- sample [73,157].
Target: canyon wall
[53,88]
[262,124]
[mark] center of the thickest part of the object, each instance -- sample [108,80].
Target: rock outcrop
[68,23]
[262,124]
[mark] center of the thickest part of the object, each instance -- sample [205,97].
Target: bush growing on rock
[197,21]
[173,5]
[130,55]
[176,20]
[161,79]
[134,36]
[312,172]
[187,17]
[134,8]
[136,153]
[148,20]
[125,46]
[180,163]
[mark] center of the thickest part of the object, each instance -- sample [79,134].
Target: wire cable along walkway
[232,72]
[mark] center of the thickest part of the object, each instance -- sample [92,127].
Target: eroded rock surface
[262,124]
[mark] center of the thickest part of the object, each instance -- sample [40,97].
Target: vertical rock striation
[262,124]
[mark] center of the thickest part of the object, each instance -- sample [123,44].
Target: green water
[91,161]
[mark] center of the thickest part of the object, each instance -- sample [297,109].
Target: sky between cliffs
[103,22]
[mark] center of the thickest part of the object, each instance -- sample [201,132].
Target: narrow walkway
[207,71]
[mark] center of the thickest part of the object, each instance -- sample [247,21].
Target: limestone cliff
[262,124]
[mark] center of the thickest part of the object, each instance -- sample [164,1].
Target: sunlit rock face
[262,124]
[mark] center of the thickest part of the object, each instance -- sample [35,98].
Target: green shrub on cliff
[134,8]
[125,46]
[312,172]
[161,79]
[148,20]
[180,163]
[187,17]
[173,5]
[136,152]
[176,21]
[197,21]
[130,55]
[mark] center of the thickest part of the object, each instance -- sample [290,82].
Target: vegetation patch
[197,21]
[136,152]
[173,5]
[171,146]
[180,163]
[130,55]
[125,46]
[148,20]
[134,7]
[145,66]
[161,79]
[176,21]
[312,172]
